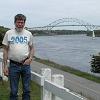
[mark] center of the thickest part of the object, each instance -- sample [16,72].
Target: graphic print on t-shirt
[18,40]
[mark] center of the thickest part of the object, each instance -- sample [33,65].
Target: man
[18,48]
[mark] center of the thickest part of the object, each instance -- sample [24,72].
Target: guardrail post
[46,72]
[59,80]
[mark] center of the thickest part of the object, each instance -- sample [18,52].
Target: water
[71,50]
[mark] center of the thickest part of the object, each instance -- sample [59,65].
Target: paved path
[77,84]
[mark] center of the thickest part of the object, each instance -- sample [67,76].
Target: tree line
[58,32]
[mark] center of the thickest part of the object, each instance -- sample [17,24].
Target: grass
[69,70]
[4,90]
[35,91]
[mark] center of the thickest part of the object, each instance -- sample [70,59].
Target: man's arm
[5,58]
[5,55]
[31,54]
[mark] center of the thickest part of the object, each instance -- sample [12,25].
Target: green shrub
[2,33]
[95,64]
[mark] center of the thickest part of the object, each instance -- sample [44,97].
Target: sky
[44,12]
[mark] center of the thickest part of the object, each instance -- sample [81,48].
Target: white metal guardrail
[57,90]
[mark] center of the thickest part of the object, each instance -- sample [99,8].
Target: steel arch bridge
[72,20]
[57,23]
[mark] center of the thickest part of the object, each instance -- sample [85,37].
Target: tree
[2,33]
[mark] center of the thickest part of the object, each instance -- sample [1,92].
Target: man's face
[19,24]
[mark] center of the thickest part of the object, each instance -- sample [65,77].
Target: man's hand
[6,71]
[27,61]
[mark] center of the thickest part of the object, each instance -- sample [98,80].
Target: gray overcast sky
[43,12]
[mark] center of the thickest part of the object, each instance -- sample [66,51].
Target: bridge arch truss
[72,20]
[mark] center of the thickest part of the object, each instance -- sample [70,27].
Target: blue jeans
[15,71]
